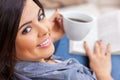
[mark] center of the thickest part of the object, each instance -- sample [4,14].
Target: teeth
[45,43]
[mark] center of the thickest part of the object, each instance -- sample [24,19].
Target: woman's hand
[57,26]
[100,60]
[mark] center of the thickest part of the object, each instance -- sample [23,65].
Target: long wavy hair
[10,14]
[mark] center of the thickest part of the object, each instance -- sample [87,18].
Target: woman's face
[33,41]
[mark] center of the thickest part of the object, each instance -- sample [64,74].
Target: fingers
[102,48]
[54,15]
[99,49]
[108,50]
[88,51]
[57,18]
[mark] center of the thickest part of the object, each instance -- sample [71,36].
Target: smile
[46,43]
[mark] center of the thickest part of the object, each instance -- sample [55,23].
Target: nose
[42,29]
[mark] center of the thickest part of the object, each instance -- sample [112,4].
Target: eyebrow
[29,21]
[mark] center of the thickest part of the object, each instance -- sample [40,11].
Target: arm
[100,60]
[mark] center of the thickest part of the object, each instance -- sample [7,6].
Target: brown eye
[41,17]
[26,30]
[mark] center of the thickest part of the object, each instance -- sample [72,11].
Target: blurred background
[64,3]
[94,7]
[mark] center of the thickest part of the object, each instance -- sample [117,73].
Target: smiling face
[33,41]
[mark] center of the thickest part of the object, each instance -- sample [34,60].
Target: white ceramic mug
[77,25]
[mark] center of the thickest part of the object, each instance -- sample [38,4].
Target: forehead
[30,10]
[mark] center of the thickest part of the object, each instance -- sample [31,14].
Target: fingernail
[96,41]
[61,15]
[108,44]
[100,40]
[84,42]
[57,9]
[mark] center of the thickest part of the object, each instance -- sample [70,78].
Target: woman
[26,46]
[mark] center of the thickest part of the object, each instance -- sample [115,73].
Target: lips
[45,43]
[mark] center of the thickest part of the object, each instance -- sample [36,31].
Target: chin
[50,52]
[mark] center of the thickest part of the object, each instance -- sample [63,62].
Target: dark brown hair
[10,14]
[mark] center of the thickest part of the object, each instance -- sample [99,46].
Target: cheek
[49,25]
[25,43]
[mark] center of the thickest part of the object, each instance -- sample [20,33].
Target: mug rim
[66,17]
